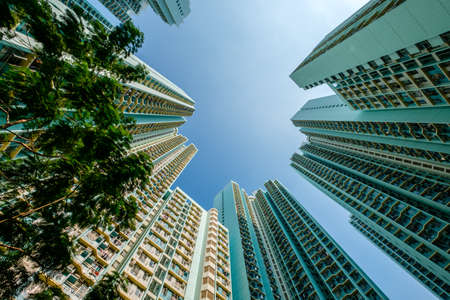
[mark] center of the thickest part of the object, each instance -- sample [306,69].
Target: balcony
[126,232]
[162,234]
[132,292]
[222,293]
[116,240]
[189,236]
[105,253]
[181,261]
[188,245]
[151,250]
[138,275]
[145,262]
[157,242]
[184,252]
[94,238]
[167,294]
[167,223]
[175,285]
[140,216]
[225,273]
[179,272]
[73,285]
[88,265]
[224,283]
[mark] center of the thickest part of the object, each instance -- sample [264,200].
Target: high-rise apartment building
[91,13]
[155,102]
[380,147]
[250,278]
[170,11]
[286,254]
[412,138]
[101,250]
[122,9]
[177,251]
[389,54]
[401,207]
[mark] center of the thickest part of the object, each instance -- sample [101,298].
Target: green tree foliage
[107,288]
[75,170]
[51,293]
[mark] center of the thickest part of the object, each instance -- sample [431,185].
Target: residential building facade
[285,252]
[381,147]
[123,9]
[249,276]
[390,54]
[413,138]
[155,102]
[170,11]
[177,251]
[310,263]
[91,13]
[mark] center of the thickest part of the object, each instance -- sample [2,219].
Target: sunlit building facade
[380,147]
[170,11]
[390,54]
[379,197]
[177,251]
[155,102]
[123,9]
[285,253]
[90,12]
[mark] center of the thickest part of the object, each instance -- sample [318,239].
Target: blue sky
[234,58]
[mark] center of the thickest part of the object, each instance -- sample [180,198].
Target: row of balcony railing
[429,188]
[423,81]
[322,259]
[387,149]
[134,100]
[437,132]
[352,189]
[419,270]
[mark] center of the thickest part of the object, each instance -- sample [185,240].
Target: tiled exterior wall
[216,274]
[100,250]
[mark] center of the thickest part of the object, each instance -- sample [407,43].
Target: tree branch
[11,247]
[33,150]
[7,114]
[30,211]
[19,136]
[9,124]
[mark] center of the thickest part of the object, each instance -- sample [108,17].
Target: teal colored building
[389,54]
[310,263]
[170,11]
[381,146]
[414,138]
[397,208]
[285,252]
[91,13]
[249,276]
[123,9]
